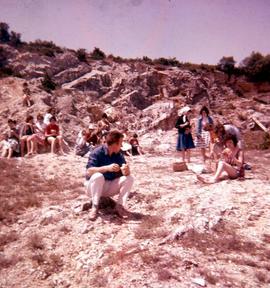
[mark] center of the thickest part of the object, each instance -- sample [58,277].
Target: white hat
[183,110]
[126,146]
[91,126]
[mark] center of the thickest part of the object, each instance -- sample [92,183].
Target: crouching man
[108,174]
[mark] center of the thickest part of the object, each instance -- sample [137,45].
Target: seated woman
[53,137]
[5,146]
[135,146]
[86,141]
[11,145]
[38,137]
[26,131]
[231,162]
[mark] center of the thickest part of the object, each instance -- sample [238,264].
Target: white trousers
[97,186]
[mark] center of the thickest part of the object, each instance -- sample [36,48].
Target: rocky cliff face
[134,94]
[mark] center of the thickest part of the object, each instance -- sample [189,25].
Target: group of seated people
[95,134]
[24,140]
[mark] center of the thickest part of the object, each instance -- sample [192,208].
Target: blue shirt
[100,157]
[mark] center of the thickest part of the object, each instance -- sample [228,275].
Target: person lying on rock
[231,163]
[108,174]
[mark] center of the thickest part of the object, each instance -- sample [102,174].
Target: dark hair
[51,110]
[52,118]
[220,128]
[232,137]
[10,121]
[25,84]
[113,137]
[40,116]
[205,109]
[29,118]
[104,115]
[135,135]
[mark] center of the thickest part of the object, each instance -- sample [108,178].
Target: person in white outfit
[108,174]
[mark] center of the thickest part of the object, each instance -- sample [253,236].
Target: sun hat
[126,146]
[91,126]
[183,110]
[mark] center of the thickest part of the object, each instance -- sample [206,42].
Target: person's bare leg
[183,155]
[203,154]
[10,152]
[22,144]
[60,141]
[4,152]
[28,145]
[221,167]
[188,155]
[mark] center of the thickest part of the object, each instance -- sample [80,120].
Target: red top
[52,129]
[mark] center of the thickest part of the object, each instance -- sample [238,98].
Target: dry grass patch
[6,262]
[7,238]
[22,187]
[151,227]
[49,264]
[35,242]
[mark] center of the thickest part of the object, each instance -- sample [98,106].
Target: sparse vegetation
[97,54]
[47,83]
[266,141]
[46,48]
[81,54]
[257,67]
[7,239]
[167,62]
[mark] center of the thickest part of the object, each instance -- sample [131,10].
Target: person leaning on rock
[108,174]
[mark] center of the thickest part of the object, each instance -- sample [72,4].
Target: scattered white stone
[199,281]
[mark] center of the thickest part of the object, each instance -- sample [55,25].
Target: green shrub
[266,142]
[47,48]
[167,62]
[97,54]
[257,67]
[81,54]
[47,83]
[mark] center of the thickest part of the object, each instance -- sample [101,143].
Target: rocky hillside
[134,94]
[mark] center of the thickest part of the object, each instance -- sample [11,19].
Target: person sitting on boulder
[135,146]
[26,95]
[104,124]
[13,136]
[86,141]
[38,137]
[27,131]
[52,135]
[5,146]
[232,162]
[50,113]
[108,174]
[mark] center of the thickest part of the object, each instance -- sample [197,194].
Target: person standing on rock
[184,141]
[203,136]
[108,174]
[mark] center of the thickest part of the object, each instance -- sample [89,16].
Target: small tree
[226,64]
[97,54]
[47,83]
[15,39]
[4,33]
[81,54]
[257,67]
